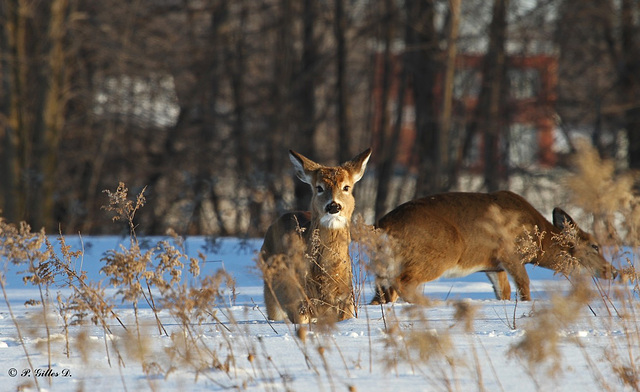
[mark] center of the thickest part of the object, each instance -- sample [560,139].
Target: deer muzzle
[333,208]
[610,273]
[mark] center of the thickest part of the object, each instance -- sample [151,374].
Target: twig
[20,338]
[366,311]
[255,306]
[514,313]
[217,320]
[384,319]
[448,293]
[605,298]
[152,303]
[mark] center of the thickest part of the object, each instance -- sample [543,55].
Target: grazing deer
[456,234]
[305,255]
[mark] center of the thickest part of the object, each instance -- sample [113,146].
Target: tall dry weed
[609,198]
[541,344]
[374,251]
[529,244]
[597,188]
[155,275]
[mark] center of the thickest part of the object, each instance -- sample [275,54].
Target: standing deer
[305,255]
[456,234]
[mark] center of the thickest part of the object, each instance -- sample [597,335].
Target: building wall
[531,108]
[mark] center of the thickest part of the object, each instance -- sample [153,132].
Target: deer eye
[595,247]
[346,188]
[319,189]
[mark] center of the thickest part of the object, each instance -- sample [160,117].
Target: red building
[530,107]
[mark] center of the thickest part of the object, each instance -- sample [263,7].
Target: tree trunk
[446,122]
[342,104]
[495,83]
[209,133]
[386,145]
[35,31]
[16,121]
[8,161]
[489,116]
[244,169]
[422,68]
[306,99]
[630,79]
[54,110]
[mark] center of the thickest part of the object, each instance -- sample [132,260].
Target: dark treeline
[200,101]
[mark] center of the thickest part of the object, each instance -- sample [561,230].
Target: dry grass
[601,193]
[607,195]
[541,343]
[529,245]
[137,275]
[157,278]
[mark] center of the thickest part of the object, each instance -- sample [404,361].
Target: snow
[395,347]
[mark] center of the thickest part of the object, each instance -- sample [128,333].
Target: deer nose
[333,208]
[614,273]
[608,272]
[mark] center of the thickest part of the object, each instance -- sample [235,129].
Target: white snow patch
[375,352]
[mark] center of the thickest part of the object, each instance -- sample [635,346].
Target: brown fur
[305,255]
[455,234]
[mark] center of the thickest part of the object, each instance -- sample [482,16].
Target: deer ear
[304,166]
[560,218]
[357,165]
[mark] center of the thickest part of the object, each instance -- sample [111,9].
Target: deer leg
[408,290]
[501,286]
[300,314]
[340,310]
[347,311]
[346,307]
[519,274]
[285,301]
[284,293]
[384,295]
[274,311]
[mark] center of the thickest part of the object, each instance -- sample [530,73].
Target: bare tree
[489,119]
[342,101]
[387,144]
[307,78]
[599,65]
[629,77]
[34,72]
[446,120]
[422,67]
[491,104]
[199,100]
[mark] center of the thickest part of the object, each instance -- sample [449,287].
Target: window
[523,145]
[466,83]
[524,83]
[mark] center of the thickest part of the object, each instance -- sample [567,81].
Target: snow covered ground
[397,347]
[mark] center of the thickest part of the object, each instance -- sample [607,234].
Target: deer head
[583,247]
[332,203]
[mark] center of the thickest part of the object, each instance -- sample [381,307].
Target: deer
[305,257]
[455,234]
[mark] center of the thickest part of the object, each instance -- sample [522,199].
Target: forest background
[200,100]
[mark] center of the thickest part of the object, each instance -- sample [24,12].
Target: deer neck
[551,250]
[330,262]
[329,246]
